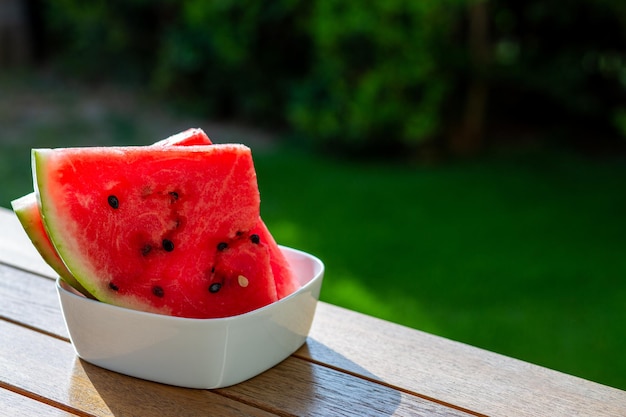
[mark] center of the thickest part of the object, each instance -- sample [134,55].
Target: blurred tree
[379,74]
[15,38]
[468,138]
[399,74]
[560,67]
[238,59]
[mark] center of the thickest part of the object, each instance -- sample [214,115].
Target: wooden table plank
[48,367]
[301,388]
[16,405]
[453,372]
[30,300]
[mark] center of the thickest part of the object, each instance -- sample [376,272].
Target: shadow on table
[339,386]
[120,395]
[296,386]
[302,387]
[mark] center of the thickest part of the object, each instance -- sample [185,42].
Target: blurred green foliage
[377,71]
[562,65]
[398,72]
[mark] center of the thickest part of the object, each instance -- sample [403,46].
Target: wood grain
[47,367]
[452,372]
[16,405]
[301,388]
[30,300]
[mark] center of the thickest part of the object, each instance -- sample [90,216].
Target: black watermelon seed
[113,286]
[212,269]
[158,291]
[168,245]
[221,246]
[173,195]
[255,239]
[146,249]
[239,233]
[113,201]
[215,287]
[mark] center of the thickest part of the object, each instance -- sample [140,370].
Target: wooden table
[351,364]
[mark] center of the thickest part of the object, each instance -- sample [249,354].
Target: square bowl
[194,353]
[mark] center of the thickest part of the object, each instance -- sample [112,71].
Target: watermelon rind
[189,137]
[27,212]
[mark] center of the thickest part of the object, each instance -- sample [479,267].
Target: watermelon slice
[285,281]
[27,212]
[174,227]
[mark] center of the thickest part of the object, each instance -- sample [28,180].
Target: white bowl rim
[72,292]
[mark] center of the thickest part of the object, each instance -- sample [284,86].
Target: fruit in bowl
[168,242]
[194,353]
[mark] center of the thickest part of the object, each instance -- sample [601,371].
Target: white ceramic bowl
[194,353]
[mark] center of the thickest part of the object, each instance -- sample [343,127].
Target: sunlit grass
[521,255]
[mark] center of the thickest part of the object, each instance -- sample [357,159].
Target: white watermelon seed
[243,281]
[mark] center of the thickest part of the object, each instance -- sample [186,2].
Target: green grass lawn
[522,254]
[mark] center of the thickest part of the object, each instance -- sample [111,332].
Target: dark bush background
[444,77]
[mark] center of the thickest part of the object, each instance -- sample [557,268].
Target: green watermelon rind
[76,268]
[23,207]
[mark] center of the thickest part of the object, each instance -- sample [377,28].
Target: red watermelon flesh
[239,267]
[286,282]
[27,211]
[285,279]
[142,227]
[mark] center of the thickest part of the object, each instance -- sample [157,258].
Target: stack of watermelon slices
[173,228]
